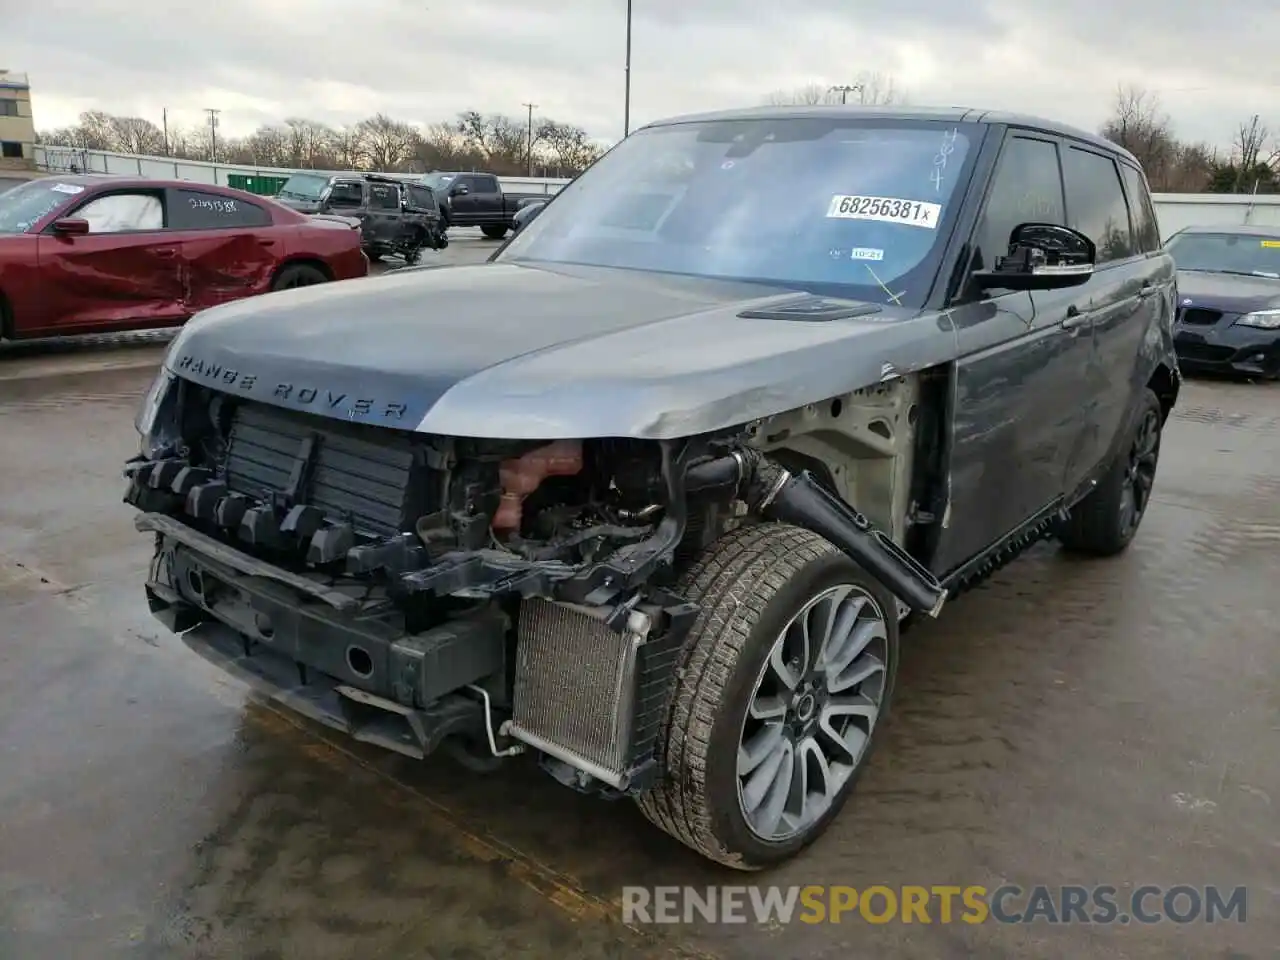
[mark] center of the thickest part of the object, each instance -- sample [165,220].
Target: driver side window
[123,213]
[1027,187]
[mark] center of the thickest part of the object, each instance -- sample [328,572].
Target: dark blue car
[1228,318]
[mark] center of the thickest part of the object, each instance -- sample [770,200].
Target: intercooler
[587,694]
[372,479]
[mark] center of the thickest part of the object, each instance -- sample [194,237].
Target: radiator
[586,694]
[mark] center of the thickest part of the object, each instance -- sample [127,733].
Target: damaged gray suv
[649,495]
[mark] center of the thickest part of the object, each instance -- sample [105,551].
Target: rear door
[385,215]
[1020,375]
[126,271]
[487,198]
[229,248]
[1118,297]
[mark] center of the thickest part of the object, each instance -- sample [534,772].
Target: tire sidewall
[832,569]
[1148,403]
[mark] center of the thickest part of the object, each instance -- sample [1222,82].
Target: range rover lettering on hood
[297,395]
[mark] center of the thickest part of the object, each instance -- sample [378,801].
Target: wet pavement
[1113,722]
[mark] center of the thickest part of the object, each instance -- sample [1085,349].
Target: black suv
[649,494]
[396,217]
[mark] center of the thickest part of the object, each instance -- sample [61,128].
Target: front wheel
[784,684]
[494,231]
[1105,522]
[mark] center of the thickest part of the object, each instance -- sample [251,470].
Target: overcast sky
[424,60]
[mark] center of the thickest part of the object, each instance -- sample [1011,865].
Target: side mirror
[1042,256]
[461,190]
[525,215]
[71,227]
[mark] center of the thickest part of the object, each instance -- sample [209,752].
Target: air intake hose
[776,494]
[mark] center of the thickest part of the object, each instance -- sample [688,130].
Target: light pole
[626,103]
[844,90]
[213,134]
[529,154]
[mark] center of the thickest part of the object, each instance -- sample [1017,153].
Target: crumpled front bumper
[334,656]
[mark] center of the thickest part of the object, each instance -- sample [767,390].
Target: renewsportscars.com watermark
[770,906]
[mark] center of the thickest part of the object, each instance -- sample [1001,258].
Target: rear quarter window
[1146,228]
[197,210]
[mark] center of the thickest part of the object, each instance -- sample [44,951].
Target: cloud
[424,61]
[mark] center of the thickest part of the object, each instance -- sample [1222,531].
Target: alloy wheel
[1140,472]
[812,712]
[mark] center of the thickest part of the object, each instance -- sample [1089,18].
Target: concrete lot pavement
[1073,722]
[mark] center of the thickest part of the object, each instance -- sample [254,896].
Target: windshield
[22,207]
[840,206]
[303,186]
[439,181]
[1254,255]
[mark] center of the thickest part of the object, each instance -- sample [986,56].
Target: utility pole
[529,154]
[164,121]
[844,90]
[626,104]
[213,133]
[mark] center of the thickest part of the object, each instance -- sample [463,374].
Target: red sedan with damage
[86,254]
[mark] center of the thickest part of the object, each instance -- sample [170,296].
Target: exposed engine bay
[491,596]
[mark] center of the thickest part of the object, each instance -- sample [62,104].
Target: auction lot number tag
[914,213]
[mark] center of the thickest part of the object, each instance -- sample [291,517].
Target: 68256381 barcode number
[913,213]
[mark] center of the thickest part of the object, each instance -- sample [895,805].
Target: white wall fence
[73,160]
[1175,210]
[1178,210]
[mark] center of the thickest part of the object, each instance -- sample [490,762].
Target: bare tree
[474,141]
[309,143]
[136,135]
[387,143]
[1139,124]
[568,148]
[268,146]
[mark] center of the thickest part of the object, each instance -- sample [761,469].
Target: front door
[347,199]
[1020,380]
[126,271]
[229,248]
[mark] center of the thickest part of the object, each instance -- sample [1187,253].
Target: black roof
[944,114]
[1236,229]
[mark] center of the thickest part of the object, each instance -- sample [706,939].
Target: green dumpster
[263,186]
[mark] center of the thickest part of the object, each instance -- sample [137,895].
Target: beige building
[17,129]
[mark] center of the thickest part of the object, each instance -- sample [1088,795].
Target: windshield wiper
[1245,273]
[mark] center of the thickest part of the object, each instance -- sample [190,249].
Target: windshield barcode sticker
[914,213]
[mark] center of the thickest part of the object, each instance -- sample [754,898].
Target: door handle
[1074,319]
[166,253]
[1146,290]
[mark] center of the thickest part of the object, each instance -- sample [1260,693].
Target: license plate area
[350,649]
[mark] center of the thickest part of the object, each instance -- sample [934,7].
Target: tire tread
[733,580]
